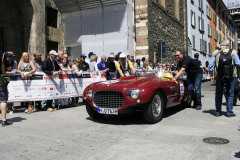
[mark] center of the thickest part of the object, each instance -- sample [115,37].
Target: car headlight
[89,93]
[134,93]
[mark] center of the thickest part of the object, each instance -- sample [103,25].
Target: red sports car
[151,92]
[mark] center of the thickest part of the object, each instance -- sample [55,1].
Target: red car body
[170,93]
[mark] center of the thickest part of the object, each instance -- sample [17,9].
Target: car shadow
[15,119]
[125,119]
[173,110]
[134,117]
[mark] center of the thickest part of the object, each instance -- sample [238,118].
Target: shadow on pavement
[133,118]
[212,112]
[16,119]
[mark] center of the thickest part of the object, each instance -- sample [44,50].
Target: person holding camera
[4,80]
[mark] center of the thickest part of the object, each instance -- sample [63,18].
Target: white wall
[100,30]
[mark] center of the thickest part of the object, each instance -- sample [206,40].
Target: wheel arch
[163,94]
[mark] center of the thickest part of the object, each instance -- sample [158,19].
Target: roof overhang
[65,6]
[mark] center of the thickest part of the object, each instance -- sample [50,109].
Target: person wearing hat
[124,66]
[11,65]
[218,64]
[50,67]
[89,56]
[83,64]
[111,74]
[194,77]
[5,59]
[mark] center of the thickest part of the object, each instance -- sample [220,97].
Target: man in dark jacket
[51,68]
[111,74]
[194,76]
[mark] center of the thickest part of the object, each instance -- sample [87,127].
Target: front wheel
[153,111]
[92,113]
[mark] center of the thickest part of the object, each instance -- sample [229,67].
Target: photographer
[3,87]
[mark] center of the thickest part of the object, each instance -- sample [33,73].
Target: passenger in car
[124,66]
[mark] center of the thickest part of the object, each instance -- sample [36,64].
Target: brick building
[30,25]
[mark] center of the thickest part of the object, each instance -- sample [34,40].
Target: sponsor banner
[43,87]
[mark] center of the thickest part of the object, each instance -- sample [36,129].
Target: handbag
[4,79]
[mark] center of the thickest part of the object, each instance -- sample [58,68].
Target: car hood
[125,82]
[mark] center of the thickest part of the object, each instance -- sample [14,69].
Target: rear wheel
[92,113]
[153,110]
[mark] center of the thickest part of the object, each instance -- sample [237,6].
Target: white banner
[44,87]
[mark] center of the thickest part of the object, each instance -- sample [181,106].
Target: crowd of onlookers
[114,66]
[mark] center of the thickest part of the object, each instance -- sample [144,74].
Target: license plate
[107,111]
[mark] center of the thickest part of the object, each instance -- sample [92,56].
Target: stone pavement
[71,134]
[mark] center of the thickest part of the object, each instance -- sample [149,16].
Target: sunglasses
[177,55]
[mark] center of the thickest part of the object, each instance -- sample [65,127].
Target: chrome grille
[108,99]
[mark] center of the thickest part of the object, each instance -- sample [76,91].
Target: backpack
[225,66]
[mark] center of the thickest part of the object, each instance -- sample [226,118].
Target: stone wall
[165,27]
[141,24]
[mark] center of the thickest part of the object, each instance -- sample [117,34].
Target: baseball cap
[9,54]
[53,52]
[111,56]
[122,55]
[83,55]
[90,54]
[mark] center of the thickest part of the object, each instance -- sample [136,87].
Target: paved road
[71,134]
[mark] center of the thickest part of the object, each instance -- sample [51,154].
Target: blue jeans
[194,88]
[229,93]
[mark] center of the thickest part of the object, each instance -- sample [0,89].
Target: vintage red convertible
[150,92]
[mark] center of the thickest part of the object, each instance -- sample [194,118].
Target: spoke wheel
[153,110]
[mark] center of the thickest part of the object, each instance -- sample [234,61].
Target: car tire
[92,113]
[153,111]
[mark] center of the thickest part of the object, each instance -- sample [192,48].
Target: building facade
[198,30]
[221,25]
[30,25]
[234,9]
[131,26]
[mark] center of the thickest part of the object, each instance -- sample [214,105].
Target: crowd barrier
[43,87]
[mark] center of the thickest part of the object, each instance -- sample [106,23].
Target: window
[52,15]
[200,5]
[209,30]
[215,35]
[193,18]
[207,10]
[192,1]
[193,42]
[209,48]
[162,3]
[220,38]
[177,9]
[201,24]
[205,46]
[214,18]
[220,23]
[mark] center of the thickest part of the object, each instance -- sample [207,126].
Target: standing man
[194,76]
[3,87]
[102,65]
[38,61]
[51,68]
[89,56]
[225,74]
[83,65]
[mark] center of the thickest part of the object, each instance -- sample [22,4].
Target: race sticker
[181,89]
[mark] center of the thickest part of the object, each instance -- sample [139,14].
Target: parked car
[150,92]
